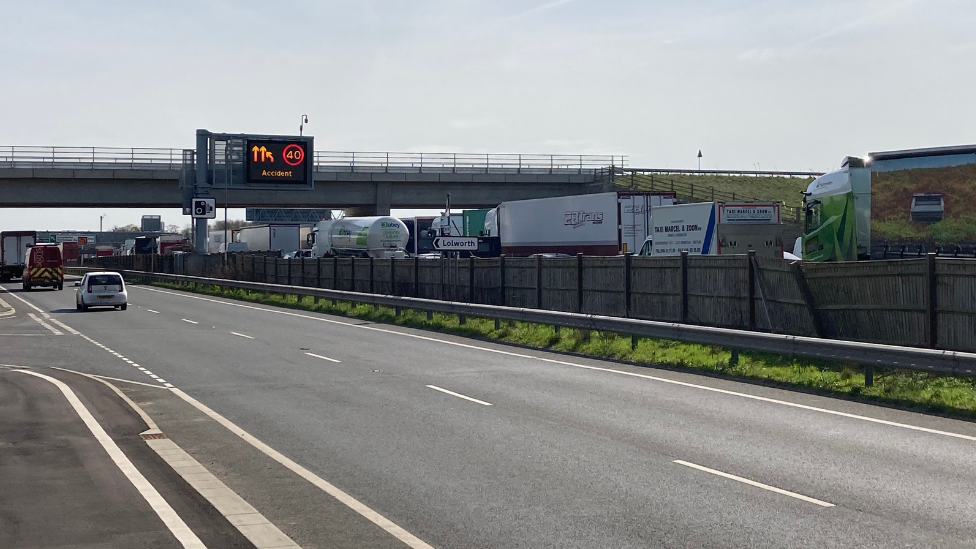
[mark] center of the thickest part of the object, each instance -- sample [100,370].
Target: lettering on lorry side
[580,218]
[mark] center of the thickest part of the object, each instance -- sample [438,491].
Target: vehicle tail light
[89,286]
[120,288]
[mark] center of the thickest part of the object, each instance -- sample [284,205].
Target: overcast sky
[777,85]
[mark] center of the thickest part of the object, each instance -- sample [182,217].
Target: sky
[752,84]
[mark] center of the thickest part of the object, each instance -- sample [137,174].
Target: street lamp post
[699,159]
[301,127]
[100,218]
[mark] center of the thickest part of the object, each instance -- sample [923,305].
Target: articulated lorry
[886,201]
[592,224]
[14,249]
[716,228]
[265,238]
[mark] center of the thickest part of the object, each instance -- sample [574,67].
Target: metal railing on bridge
[144,158]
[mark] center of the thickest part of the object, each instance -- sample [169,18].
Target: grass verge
[919,391]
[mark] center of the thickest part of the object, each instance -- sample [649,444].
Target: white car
[102,289]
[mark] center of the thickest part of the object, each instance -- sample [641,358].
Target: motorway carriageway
[347,433]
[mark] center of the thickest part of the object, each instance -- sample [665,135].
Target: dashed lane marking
[190,321]
[40,321]
[459,395]
[242,335]
[323,357]
[756,484]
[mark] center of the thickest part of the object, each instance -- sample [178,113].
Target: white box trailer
[716,228]
[271,238]
[592,224]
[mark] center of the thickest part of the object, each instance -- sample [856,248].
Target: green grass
[946,395]
[784,189]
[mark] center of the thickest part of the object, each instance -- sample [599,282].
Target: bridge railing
[409,162]
[325,161]
[90,158]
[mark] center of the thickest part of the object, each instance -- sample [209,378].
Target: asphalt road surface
[345,433]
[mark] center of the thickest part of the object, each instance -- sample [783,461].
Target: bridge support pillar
[384,199]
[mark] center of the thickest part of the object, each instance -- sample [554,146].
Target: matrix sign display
[276,161]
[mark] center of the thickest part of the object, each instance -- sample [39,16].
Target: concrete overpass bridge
[362,183]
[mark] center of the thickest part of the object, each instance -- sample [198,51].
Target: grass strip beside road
[920,391]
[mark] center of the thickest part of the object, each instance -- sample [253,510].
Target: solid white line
[190,321]
[5,305]
[180,530]
[756,484]
[110,378]
[40,321]
[101,379]
[242,335]
[323,357]
[584,366]
[386,524]
[35,307]
[459,395]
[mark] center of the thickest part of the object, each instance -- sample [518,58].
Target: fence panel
[718,291]
[604,286]
[876,301]
[520,281]
[431,283]
[779,294]
[559,284]
[656,288]
[487,281]
[956,303]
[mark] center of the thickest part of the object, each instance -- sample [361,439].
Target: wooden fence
[925,302]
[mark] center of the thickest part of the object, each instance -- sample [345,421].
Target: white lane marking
[756,484]
[101,379]
[153,312]
[459,395]
[323,357]
[46,316]
[180,530]
[29,304]
[586,367]
[5,305]
[69,329]
[386,524]
[242,335]
[40,321]
[110,378]
[190,321]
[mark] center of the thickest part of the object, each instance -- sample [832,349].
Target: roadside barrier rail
[866,354]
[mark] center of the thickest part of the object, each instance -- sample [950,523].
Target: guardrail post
[253,274]
[335,273]
[371,283]
[752,290]
[684,286]
[868,375]
[931,302]
[579,283]
[538,282]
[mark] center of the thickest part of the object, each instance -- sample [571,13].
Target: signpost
[456,243]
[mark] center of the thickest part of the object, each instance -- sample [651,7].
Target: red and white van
[44,267]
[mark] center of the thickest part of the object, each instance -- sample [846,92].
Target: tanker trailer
[378,236]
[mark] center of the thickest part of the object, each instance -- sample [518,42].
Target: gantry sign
[277,161]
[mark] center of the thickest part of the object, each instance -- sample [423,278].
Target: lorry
[271,238]
[716,228]
[918,198]
[593,224]
[375,236]
[14,249]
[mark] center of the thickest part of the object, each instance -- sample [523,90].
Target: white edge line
[323,357]
[101,379]
[29,304]
[584,366]
[95,376]
[242,335]
[756,484]
[386,524]
[459,395]
[180,530]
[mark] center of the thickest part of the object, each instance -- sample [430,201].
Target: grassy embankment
[784,189]
[914,390]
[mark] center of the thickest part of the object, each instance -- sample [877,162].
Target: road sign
[203,208]
[456,243]
[276,161]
